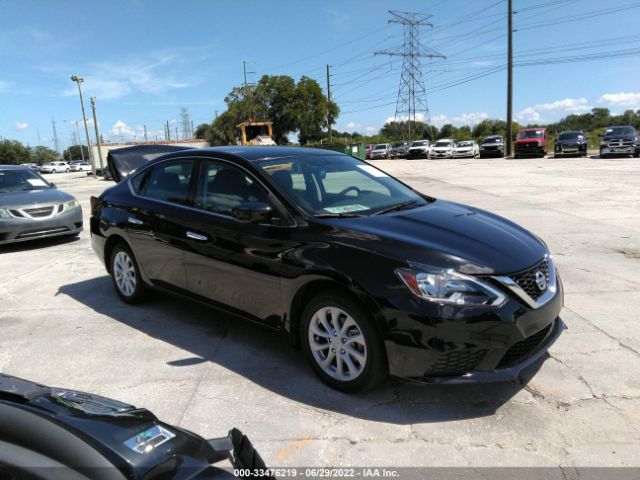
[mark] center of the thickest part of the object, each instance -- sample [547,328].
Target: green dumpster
[353,149]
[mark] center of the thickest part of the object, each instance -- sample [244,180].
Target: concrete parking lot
[62,324]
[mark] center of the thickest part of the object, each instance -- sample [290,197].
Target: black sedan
[32,208]
[367,275]
[571,143]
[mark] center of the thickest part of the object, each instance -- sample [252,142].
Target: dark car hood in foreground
[449,235]
[33,197]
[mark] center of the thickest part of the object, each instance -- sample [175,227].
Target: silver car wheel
[124,273]
[337,343]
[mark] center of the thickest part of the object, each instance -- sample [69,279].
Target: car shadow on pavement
[37,244]
[266,358]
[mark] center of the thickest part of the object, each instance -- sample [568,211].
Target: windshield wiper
[338,215]
[397,206]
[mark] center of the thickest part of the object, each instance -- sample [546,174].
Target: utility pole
[79,139]
[95,126]
[145,134]
[412,94]
[329,119]
[79,80]
[244,67]
[510,79]
[56,143]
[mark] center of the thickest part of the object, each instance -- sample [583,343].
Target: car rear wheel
[342,343]
[126,276]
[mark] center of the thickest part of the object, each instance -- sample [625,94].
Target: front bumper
[418,153]
[529,149]
[469,154]
[491,152]
[622,150]
[23,229]
[435,154]
[572,149]
[375,156]
[431,343]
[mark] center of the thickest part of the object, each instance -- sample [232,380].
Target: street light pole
[79,80]
[95,125]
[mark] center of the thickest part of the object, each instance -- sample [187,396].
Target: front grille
[527,279]
[38,233]
[519,351]
[528,147]
[456,362]
[39,211]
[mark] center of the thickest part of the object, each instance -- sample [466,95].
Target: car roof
[14,167]
[252,153]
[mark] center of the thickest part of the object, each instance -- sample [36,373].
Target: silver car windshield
[21,180]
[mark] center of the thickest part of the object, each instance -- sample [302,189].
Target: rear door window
[169,182]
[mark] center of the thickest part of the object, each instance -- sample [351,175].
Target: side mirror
[252,212]
[53,185]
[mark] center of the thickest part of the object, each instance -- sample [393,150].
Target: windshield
[493,140]
[571,136]
[324,185]
[419,144]
[443,144]
[464,144]
[20,180]
[530,134]
[380,147]
[626,131]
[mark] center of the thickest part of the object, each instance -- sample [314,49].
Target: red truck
[531,142]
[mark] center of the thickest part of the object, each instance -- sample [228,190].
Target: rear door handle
[135,221]
[197,236]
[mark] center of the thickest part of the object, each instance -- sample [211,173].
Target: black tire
[375,370]
[140,291]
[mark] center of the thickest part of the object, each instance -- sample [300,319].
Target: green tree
[41,154]
[13,152]
[74,153]
[277,98]
[202,130]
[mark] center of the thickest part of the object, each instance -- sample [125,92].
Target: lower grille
[519,351]
[38,233]
[39,211]
[527,279]
[456,362]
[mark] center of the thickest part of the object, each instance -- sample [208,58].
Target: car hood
[531,140]
[123,161]
[447,235]
[570,141]
[442,148]
[33,197]
[618,137]
[491,144]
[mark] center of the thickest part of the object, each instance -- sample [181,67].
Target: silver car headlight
[448,286]
[4,213]
[71,205]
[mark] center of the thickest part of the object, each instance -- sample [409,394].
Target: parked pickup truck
[531,142]
[620,140]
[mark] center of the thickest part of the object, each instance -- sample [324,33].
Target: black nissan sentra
[370,277]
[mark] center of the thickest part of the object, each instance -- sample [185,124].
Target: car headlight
[448,286]
[4,213]
[71,205]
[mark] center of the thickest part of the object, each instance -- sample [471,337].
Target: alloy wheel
[337,343]
[124,273]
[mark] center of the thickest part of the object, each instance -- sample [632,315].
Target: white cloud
[621,99]
[151,74]
[404,118]
[353,125]
[370,129]
[124,131]
[22,125]
[564,106]
[459,120]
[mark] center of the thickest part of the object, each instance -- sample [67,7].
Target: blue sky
[143,59]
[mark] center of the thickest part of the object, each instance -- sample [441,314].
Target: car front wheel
[126,276]
[342,343]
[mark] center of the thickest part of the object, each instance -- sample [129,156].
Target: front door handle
[197,236]
[135,221]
